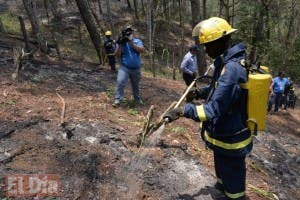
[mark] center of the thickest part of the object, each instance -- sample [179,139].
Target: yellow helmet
[212,29]
[107,33]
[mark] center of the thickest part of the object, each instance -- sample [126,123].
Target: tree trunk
[227,9]
[195,8]
[109,17]
[91,26]
[204,8]
[30,7]
[150,36]
[136,10]
[46,5]
[100,7]
[24,32]
[181,22]
[291,23]
[55,10]
[232,18]
[258,31]
[1,26]
[143,7]
[129,5]
[69,2]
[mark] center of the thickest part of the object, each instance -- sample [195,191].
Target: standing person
[129,50]
[278,85]
[189,65]
[222,115]
[285,93]
[110,47]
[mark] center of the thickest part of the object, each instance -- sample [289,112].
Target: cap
[194,48]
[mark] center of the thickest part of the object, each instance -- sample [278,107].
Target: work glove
[173,114]
[195,93]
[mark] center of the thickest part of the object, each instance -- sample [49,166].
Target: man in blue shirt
[277,89]
[189,65]
[129,50]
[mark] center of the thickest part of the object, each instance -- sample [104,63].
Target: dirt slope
[95,151]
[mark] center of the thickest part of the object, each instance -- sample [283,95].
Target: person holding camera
[128,50]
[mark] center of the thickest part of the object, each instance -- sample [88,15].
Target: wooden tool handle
[185,93]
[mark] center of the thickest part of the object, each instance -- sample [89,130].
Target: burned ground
[95,150]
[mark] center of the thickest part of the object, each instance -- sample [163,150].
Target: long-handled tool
[160,126]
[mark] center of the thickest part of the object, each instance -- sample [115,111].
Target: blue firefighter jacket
[223,127]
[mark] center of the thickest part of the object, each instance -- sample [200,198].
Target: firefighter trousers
[231,174]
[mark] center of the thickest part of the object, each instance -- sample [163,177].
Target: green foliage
[132,111]
[10,23]
[178,129]
[109,92]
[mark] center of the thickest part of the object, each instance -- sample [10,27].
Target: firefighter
[223,116]
[110,47]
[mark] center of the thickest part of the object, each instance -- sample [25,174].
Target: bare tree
[150,36]
[204,8]
[136,10]
[24,32]
[30,7]
[195,8]
[257,29]
[181,22]
[196,17]
[129,5]
[100,7]
[143,7]
[56,10]
[46,5]
[91,26]
[109,16]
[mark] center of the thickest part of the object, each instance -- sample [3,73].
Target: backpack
[257,90]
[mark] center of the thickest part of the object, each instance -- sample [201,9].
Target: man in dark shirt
[110,47]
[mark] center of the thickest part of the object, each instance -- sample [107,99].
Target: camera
[123,36]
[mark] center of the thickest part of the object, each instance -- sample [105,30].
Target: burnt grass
[95,151]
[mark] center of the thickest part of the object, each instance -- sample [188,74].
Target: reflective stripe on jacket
[222,113]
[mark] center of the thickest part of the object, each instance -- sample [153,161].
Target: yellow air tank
[258,87]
